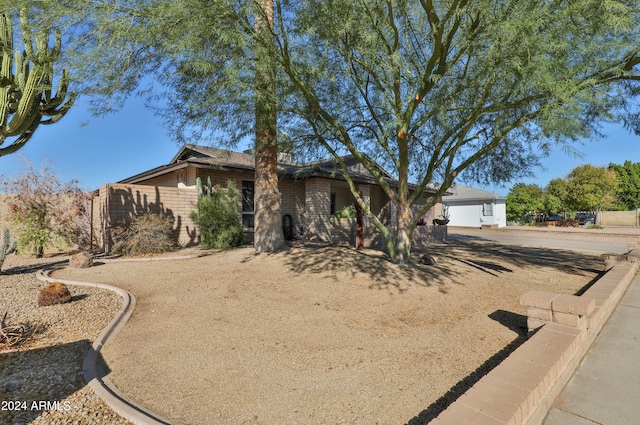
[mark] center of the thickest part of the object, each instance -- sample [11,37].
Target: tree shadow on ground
[488,257]
[513,321]
[341,261]
[43,383]
[32,268]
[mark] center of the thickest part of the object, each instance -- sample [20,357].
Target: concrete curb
[521,389]
[92,371]
[146,259]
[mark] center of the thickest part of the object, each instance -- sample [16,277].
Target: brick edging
[521,389]
[91,370]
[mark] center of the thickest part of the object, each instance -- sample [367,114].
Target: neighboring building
[469,207]
[310,193]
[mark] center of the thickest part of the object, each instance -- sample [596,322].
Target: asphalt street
[592,242]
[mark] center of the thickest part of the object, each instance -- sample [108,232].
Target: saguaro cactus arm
[7,247]
[26,98]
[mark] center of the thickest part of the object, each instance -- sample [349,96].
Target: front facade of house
[470,207]
[310,194]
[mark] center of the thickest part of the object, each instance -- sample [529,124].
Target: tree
[555,195]
[524,202]
[434,91]
[591,188]
[26,79]
[628,176]
[43,209]
[268,235]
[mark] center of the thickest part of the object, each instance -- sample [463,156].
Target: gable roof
[213,156]
[209,157]
[466,193]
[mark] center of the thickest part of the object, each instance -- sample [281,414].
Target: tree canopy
[591,188]
[434,91]
[555,195]
[524,202]
[628,175]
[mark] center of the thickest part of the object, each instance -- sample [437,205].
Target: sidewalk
[604,388]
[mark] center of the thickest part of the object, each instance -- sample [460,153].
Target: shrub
[217,218]
[14,335]
[54,293]
[143,234]
[346,212]
[43,209]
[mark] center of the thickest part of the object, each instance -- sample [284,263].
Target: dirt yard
[323,335]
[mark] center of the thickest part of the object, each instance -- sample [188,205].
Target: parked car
[554,217]
[585,218]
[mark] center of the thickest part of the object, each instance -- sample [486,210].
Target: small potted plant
[445,216]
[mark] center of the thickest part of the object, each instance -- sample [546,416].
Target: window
[247,204]
[333,203]
[487,209]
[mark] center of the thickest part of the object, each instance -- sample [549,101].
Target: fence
[619,218]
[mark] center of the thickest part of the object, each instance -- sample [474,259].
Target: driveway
[596,241]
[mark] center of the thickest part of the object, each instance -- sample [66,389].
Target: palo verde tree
[26,78]
[433,91]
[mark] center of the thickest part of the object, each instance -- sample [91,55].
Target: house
[310,193]
[470,207]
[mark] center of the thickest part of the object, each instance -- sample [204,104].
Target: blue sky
[96,151]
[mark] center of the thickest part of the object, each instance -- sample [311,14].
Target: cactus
[54,293]
[204,190]
[7,247]
[26,99]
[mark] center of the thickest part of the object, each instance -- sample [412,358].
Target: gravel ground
[310,336]
[323,335]
[47,369]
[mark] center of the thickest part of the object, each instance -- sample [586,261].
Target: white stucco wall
[470,214]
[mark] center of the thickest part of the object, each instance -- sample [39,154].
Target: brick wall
[318,209]
[4,211]
[292,201]
[118,202]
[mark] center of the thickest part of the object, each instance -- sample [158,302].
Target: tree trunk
[403,235]
[268,235]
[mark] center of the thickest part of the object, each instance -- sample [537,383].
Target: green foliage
[143,235]
[591,188]
[628,176]
[26,99]
[7,247]
[43,209]
[347,212]
[524,202]
[217,218]
[555,195]
[432,90]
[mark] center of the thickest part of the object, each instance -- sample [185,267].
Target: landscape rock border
[92,371]
[522,389]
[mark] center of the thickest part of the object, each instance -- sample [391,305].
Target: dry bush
[54,293]
[143,235]
[14,335]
